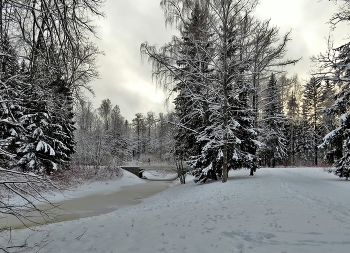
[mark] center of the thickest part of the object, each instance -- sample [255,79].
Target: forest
[234,104]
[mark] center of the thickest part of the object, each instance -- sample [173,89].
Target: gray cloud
[127,82]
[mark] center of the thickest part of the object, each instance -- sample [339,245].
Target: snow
[277,210]
[99,187]
[46,147]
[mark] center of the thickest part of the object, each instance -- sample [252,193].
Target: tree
[105,112]
[139,128]
[273,122]
[191,103]
[228,141]
[313,101]
[57,60]
[267,56]
[333,67]
[293,117]
[11,106]
[46,58]
[231,131]
[150,122]
[338,140]
[49,120]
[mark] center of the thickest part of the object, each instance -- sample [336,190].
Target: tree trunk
[225,80]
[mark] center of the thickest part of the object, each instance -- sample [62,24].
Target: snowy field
[277,210]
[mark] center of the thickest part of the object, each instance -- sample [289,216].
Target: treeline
[105,137]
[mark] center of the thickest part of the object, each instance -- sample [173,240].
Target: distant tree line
[104,136]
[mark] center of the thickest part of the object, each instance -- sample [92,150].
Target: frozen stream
[92,205]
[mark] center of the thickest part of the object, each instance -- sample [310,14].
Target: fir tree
[293,125]
[191,105]
[230,138]
[273,122]
[338,140]
[11,107]
[313,101]
[63,120]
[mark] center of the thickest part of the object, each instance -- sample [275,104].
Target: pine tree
[273,122]
[220,118]
[312,104]
[293,126]
[105,110]
[230,138]
[139,129]
[63,120]
[191,105]
[11,107]
[338,140]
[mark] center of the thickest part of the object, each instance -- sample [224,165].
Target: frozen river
[91,205]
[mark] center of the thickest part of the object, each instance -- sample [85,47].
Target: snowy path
[278,210]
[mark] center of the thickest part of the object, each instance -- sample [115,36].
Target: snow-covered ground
[277,210]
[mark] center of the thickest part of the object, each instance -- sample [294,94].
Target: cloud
[128,83]
[307,19]
[124,79]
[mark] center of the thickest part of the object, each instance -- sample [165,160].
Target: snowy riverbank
[277,210]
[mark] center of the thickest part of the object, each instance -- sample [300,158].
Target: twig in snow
[80,236]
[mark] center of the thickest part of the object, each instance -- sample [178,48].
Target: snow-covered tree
[48,121]
[11,92]
[215,89]
[191,103]
[139,126]
[334,68]
[105,110]
[230,137]
[273,123]
[338,140]
[212,102]
[293,107]
[312,104]
[54,59]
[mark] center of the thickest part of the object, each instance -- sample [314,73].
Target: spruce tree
[230,139]
[191,103]
[312,104]
[293,126]
[11,107]
[273,123]
[338,140]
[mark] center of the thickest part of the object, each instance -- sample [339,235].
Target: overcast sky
[127,82]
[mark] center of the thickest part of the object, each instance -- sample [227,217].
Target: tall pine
[312,104]
[273,124]
[191,103]
[338,140]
